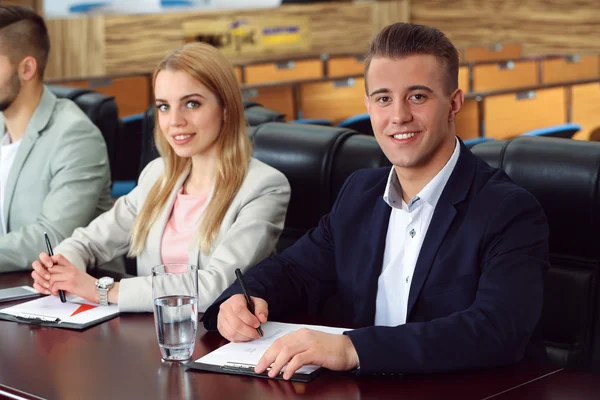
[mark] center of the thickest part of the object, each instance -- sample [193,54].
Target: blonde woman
[205,201]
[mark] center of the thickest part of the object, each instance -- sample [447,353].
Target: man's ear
[457,98]
[28,68]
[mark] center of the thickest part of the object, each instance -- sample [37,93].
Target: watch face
[105,282]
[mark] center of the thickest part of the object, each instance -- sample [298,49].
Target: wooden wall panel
[498,52]
[278,98]
[132,93]
[467,120]
[136,43]
[335,100]
[542,26]
[284,72]
[76,47]
[499,76]
[585,108]
[563,70]
[345,66]
[463,79]
[37,5]
[508,115]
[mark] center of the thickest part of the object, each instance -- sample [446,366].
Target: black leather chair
[102,111]
[564,176]
[315,159]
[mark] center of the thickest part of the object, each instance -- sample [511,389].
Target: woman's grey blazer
[248,234]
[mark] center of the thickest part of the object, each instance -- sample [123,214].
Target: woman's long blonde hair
[208,66]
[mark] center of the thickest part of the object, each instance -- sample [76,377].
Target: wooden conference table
[120,359]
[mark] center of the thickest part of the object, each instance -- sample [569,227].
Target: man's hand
[306,347]
[236,324]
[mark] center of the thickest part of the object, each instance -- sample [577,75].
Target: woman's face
[189,115]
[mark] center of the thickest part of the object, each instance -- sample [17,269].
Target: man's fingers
[238,331]
[284,357]
[295,364]
[261,309]
[242,312]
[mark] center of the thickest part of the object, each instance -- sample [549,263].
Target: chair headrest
[564,176]
[305,155]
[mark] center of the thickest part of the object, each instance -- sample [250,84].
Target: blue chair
[312,121]
[565,131]
[121,188]
[360,123]
[472,142]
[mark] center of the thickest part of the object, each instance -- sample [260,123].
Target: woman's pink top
[182,227]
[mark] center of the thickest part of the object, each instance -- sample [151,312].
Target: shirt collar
[431,193]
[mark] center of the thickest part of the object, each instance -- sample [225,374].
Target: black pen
[249,302]
[61,293]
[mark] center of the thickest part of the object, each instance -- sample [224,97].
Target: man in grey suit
[54,171]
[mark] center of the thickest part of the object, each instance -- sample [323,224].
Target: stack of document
[241,358]
[76,313]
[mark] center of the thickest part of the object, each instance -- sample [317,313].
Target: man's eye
[383,99]
[419,98]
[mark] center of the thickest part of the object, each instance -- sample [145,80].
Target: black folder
[57,323]
[248,370]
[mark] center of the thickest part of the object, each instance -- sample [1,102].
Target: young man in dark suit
[440,259]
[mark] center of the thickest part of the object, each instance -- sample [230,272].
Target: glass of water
[175,296]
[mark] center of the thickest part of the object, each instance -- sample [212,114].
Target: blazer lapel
[157,230]
[39,121]
[456,191]
[373,257]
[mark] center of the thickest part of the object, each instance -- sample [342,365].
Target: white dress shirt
[406,231]
[8,152]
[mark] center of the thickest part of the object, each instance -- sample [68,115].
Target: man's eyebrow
[420,87]
[378,91]
[410,89]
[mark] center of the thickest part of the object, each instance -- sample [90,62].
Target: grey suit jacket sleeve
[248,234]
[107,236]
[79,167]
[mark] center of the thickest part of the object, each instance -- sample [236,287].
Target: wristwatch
[103,285]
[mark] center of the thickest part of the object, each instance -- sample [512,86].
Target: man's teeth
[404,135]
[182,137]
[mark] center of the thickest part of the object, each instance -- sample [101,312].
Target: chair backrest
[360,123]
[102,111]
[565,131]
[305,155]
[564,176]
[257,114]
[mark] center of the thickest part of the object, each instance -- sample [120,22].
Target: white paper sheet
[75,311]
[249,353]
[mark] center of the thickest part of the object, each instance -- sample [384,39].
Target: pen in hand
[61,293]
[249,302]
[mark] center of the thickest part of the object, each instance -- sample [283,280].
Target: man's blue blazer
[477,290]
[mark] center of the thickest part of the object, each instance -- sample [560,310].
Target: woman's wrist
[113,294]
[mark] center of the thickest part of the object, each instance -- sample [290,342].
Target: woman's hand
[63,275]
[40,273]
